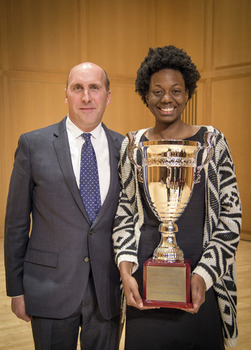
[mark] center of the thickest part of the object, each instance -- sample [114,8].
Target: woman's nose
[166,97]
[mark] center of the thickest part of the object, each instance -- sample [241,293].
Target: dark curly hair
[166,57]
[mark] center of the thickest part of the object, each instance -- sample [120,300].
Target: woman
[209,228]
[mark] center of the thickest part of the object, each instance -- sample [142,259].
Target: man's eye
[77,87]
[176,91]
[157,92]
[94,87]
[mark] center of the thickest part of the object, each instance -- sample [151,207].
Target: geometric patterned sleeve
[221,236]
[223,215]
[129,217]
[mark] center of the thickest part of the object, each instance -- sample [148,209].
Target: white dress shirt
[100,145]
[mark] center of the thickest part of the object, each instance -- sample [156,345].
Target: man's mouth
[86,108]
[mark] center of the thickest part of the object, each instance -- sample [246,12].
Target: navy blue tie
[89,181]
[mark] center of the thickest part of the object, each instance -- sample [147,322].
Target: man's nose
[86,96]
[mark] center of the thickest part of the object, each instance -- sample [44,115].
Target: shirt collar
[76,132]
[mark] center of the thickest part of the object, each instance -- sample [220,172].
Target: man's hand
[18,308]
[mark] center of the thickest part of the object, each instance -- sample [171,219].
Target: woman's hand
[131,288]
[198,291]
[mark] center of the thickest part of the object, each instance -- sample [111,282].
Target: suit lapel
[62,149]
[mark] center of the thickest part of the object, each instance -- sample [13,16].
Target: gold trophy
[168,173]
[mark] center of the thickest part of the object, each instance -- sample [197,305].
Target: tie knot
[86,136]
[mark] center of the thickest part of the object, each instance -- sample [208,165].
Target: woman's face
[167,96]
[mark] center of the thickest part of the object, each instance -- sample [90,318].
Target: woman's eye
[157,92]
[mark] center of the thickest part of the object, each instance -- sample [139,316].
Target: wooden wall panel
[231,33]
[200,98]
[41,40]
[120,33]
[3,35]
[126,111]
[31,105]
[1,46]
[43,35]
[3,177]
[230,103]
[5,141]
[1,107]
[181,23]
[28,108]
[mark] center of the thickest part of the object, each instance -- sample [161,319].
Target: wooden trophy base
[167,284]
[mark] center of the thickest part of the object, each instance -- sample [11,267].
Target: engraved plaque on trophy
[168,172]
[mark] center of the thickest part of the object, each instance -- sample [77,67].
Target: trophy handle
[130,152]
[208,136]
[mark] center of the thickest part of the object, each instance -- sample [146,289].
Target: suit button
[86,259]
[91,232]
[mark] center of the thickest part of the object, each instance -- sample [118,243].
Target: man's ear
[108,100]
[66,98]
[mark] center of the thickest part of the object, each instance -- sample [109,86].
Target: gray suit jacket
[51,266]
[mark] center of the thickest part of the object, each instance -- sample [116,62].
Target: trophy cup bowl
[168,172]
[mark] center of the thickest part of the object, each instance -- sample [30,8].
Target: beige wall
[42,39]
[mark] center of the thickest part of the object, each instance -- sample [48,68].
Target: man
[62,276]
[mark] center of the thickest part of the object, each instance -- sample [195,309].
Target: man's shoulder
[119,136]
[47,130]
[114,133]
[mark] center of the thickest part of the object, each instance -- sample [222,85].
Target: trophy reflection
[168,173]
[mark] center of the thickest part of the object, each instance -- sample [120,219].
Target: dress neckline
[193,137]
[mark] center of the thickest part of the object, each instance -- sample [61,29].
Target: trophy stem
[168,249]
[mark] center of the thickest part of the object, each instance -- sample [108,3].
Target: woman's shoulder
[219,136]
[136,135]
[212,129]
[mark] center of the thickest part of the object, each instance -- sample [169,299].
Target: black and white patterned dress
[219,234]
[170,328]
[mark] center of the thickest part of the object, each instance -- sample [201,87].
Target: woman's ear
[147,99]
[187,96]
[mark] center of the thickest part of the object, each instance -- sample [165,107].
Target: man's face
[87,95]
